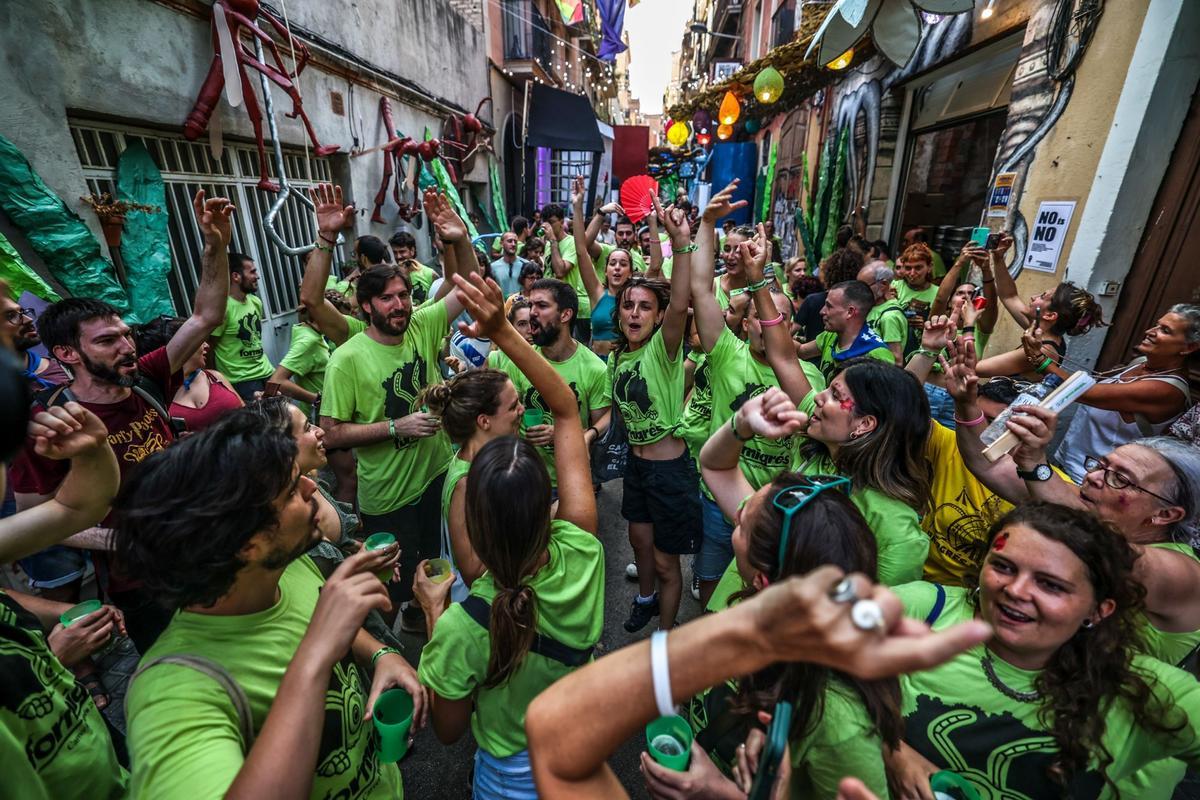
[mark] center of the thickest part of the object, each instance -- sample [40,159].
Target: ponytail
[513,622]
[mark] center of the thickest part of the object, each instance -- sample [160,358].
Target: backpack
[913,341]
[148,390]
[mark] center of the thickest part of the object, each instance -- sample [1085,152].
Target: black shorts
[665,494]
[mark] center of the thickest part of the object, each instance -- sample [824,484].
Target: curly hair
[461,399]
[841,265]
[1094,669]
[890,458]
[184,514]
[828,530]
[1078,311]
[917,251]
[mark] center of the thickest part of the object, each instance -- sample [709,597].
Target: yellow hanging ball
[842,61]
[678,133]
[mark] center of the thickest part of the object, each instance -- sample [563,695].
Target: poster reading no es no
[1047,233]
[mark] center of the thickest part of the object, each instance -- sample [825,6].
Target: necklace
[989,670]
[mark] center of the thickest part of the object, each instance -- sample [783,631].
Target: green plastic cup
[669,741]
[532,416]
[438,569]
[378,541]
[393,715]
[952,786]
[78,612]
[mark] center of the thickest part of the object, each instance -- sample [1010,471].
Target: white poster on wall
[1047,233]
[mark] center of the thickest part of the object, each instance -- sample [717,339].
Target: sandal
[96,689]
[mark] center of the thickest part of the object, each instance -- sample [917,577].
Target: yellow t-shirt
[963,511]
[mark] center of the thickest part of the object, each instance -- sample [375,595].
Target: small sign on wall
[1047,233]
[1001,194]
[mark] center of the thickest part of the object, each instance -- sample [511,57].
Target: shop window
[556,169]
[188,166]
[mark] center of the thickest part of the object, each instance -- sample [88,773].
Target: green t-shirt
[720,293]
[369,382]
[697,412]
[306,359]
[648,388]
[831,356]
[888,321]
[957,719]
[566,249]
[354,325]
[456,470]
[239,348]
[735,376]
[584,372]
[640,263]
[569,592]
[918,302]
[53,741]
[902,545]
[422,279]
[183,728]
[1173,648]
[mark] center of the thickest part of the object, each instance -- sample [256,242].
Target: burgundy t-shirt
[135,430]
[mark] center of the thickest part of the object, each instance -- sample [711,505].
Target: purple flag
[612,20]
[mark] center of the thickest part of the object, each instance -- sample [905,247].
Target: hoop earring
[1088,624]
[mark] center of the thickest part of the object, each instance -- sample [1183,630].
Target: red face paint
[847,405]
[1001,540]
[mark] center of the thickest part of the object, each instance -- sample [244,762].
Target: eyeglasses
[14,316]
[1116,480]
[792,498]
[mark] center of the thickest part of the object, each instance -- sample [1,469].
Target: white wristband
[661,672]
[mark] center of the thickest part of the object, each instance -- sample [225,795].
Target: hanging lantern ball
[752,125]
[724,132]
[768,85]
[704,139]
[678,133]
[730,109]
[702,121]
[842,61]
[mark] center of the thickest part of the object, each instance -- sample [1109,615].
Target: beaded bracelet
[687,248]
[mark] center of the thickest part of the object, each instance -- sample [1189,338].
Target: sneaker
[695,586]
[640,614]
[631,572]
[412,620]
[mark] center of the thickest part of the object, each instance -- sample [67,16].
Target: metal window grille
[188,166]
[556,173]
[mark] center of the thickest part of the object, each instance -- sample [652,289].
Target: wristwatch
[1041,472]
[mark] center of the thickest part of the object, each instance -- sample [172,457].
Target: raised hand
[613,208]
[445,219]
[722,203]
[1034,428]
[484,301]
[350,593]
[332,215]
[578,191]
[215,218]
[961,381]
[675,221]
[939,331]
[67,431]
[771,415]
[1031,342]
[1006,241]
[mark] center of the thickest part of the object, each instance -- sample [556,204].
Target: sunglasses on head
[791,499]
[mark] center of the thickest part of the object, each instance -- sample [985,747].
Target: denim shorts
[55,566]
[941,405]
[665,494]
[716,550]
[508,778]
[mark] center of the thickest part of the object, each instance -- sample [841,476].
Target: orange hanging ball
[724,132]
[730,109]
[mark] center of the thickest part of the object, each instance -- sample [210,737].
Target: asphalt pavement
[433,771]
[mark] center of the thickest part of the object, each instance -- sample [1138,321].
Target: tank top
[221,400]
[1173,648]
[603,327]
[1098,431]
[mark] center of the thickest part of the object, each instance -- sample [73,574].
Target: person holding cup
[537,611]
[218,527]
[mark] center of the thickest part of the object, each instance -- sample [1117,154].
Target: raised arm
[939,331]
[710,320]
[771,415]
[485,302]
[655,270]
[574,726]
[558,264]
[454,233]
[332,217]
[70,432]
[675,322]
[780,347]
[1006,287]
[214,216]
[587,271]
[949,283]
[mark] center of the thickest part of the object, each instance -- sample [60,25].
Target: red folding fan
[636,194]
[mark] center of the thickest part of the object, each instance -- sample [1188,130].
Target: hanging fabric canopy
[612,20]
[562,120]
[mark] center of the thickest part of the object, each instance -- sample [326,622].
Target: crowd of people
[890,605]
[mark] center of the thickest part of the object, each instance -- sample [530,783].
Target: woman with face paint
[1059,703]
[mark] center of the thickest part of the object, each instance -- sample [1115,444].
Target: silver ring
[844,592]
[867,615]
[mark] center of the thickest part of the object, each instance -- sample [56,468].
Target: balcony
[527,43]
